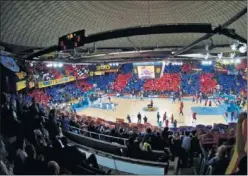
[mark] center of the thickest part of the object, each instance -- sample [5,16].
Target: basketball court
[125,106]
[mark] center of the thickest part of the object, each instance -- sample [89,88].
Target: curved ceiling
[41,23]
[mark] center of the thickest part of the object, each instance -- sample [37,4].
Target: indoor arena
[123,87]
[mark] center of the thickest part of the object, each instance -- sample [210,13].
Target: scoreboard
[72,40]
[148,70]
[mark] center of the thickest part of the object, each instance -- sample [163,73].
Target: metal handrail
[99,135]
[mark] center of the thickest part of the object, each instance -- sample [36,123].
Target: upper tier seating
[207,83]
[77,71]
[84,85]
[64,93]
[172,68]
[168,82]
[190,83]
[134,84]
[231,83]
[40,96]
[207,68]
[127,68]
[121,81]
[102,82]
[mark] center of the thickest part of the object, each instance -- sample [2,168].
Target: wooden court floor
[132,107]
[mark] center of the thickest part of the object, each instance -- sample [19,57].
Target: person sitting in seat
[147,144]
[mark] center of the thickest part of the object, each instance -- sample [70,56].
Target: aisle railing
[99,136]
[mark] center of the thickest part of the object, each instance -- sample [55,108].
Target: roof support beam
[207,36]
[132,43]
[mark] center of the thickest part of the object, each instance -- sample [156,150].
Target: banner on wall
[55,81]
[104,68]
[20,85]
[30,84]
[21,75]
[9,63]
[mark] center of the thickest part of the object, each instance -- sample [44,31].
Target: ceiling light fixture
[232,55]
[49,65]
[207,56]
[243,48]
[238,61]
[234,45]
[220,55]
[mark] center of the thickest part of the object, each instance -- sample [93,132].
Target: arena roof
[39,24]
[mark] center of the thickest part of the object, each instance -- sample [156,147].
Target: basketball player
[194,116]
[164,118]
[173,99]
[210,103]
[179,98]
[113,106]
[197,98]
[181,104]
[181,111]
[158,116]
[200,99]
[151,103]
[134,96]
[141,96]
[109,99]
[139,117]
[128,118]
[172,118]
[193,99]
[100,104]
[206,102]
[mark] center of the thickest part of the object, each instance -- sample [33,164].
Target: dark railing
[99,136]
[116,158]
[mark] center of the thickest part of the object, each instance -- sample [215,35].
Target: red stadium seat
[83,85]
[207,83]
[40,96]
[168,82]
[121,82]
